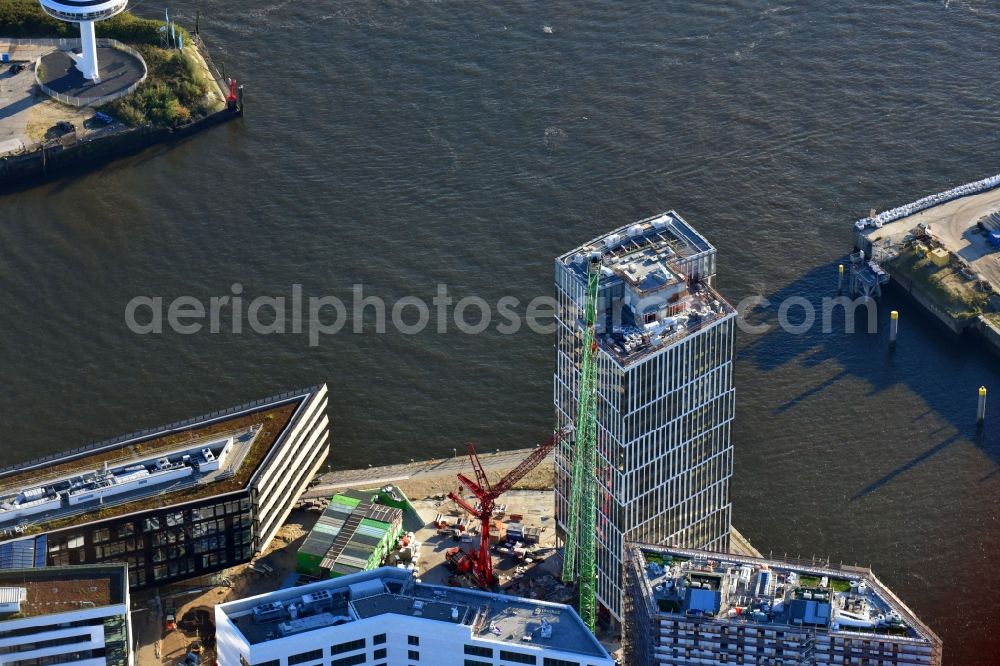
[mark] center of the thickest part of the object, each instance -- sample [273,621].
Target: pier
[943,251]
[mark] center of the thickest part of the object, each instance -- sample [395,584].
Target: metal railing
[43,479]
[62,42]
[149,433]
[67,44]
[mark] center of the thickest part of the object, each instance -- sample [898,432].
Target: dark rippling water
[405,144]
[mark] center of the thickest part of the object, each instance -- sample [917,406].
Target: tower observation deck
[84,12]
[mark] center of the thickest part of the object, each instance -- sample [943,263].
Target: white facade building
[385,618]
[666,398]
[55,615]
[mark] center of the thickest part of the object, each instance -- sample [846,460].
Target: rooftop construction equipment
[481,563]
[582,525]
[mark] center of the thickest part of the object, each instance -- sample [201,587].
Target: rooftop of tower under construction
[655,286]
[747,590]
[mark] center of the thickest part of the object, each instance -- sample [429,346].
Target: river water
[403,145]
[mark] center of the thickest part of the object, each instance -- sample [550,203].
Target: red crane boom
[487,494]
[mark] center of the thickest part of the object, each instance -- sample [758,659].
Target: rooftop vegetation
[273,422]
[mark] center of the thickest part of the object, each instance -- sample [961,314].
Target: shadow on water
[930,362]
[67,176]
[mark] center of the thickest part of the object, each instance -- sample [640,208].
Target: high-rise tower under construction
[664,363]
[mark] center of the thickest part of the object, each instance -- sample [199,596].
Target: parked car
[16,68]
[103,118]
[65,126]
[170,623]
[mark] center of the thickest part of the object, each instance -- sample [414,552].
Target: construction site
[437,534]
[438,539]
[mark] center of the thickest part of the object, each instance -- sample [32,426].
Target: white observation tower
[84,12]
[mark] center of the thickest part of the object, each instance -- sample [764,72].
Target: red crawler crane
[482,562]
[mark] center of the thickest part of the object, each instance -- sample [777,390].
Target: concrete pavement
[953,224]
[376,476]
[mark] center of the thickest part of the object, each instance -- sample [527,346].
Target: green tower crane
[582,524]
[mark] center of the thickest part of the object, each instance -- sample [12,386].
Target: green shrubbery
[25,18]
[174,91]
[127,27]
[956,296]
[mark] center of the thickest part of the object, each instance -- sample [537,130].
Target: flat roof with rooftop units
[63,495]
[769,591]
[656,285]
[796,604]
[177,501]
[359,606]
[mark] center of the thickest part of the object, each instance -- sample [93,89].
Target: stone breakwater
[927,202]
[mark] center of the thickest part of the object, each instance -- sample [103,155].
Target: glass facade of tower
[666,400]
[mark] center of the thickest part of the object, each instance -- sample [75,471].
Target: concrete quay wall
[22,171]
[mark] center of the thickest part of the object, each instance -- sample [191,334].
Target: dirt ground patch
[430,485]
[47,112]
[944,285]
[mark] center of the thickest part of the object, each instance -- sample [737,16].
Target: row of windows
[505,655]
[40,645]
[354,660]
[29,631]
[172,519]
[113,541]
[350,661]
[551,661]
[303,657]
[174,568]
[349,646]
[413,655]
[517,657]
[70,658]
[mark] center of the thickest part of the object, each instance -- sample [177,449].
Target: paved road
[374,476]
[17,96]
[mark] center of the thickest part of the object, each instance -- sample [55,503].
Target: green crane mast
[582,523]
